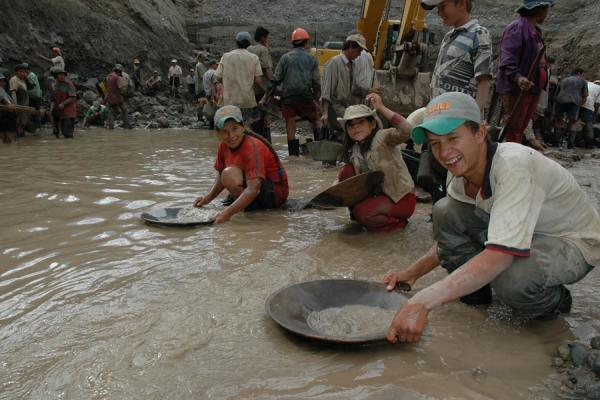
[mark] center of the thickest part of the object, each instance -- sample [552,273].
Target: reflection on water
[94,304]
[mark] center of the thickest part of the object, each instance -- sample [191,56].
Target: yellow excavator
[399,49]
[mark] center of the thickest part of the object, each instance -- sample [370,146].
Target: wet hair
[348,142]
[260,32]
[244,44]
[577,71]
[533,12]
[468,3]
[299,43]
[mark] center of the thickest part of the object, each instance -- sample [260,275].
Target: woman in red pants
[368,147]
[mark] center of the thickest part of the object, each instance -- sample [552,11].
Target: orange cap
[300,34]
[56,50]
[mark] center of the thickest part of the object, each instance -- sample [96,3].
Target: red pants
[379,213]
[521,115]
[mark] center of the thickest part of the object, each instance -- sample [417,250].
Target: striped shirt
[465,54]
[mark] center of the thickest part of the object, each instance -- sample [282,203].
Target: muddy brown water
[96,305]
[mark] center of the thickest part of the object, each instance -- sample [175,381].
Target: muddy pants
[380,214]
[121,109]
[532,285]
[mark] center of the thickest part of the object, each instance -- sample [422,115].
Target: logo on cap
[438,108]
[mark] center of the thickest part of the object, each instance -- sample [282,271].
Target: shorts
[587,115]
[567,108]
[265,198]
[303,109]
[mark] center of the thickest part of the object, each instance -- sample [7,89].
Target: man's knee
[517,289]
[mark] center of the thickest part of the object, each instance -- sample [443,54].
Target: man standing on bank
[513,220]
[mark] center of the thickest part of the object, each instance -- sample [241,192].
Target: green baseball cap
[445,113]
[227,112]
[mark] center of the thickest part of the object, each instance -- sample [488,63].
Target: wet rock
[152,125]
[593,362]
[564,351]
[579,353]
[595,343]
[593,391]
[163,122]
[479,374]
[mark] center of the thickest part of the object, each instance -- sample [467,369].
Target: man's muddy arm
[419,268]
[216,189]
[410,320]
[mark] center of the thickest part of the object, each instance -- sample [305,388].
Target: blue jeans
[532,285]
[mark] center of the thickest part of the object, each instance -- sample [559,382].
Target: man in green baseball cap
[513,221]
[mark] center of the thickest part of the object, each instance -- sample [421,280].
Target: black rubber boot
[294,147]
[482,296]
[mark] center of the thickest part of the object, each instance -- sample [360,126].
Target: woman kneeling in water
[247,167]
[367,147]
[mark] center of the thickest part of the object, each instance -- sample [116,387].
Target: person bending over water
[366,148]
[247,167]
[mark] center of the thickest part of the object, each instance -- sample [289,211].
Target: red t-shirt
[62,91]
[256,160]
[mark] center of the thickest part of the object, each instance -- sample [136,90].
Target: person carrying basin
[368,147]
[248,168]
[514,221]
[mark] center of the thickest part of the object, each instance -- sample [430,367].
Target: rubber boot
[294,147]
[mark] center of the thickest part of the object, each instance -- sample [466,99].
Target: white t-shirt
[593,96]
[175,70]
[526,193]
[58,62]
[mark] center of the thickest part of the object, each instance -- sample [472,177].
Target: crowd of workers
[512,220]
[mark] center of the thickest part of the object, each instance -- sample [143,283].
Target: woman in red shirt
[248,168]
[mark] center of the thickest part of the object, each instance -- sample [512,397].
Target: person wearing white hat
[174,75]
[337,88]
[514,221]
[368,147]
